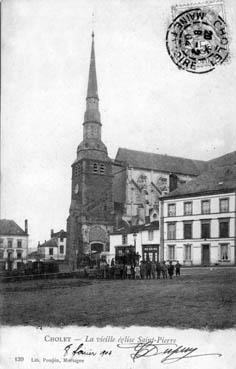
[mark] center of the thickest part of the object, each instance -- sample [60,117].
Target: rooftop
[228,159]
[10,228]
[220,179]
[61,233]
[164,163]
[49,243]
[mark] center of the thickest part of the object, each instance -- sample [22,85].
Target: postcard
[118,184]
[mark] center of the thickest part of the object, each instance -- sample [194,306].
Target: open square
[199,298]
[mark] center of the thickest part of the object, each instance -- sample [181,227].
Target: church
[109,194]
[91,214]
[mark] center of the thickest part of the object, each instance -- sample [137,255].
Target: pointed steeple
[92,81]
[92,113]
[92,145]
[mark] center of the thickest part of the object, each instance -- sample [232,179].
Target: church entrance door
[96,249]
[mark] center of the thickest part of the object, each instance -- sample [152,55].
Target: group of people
[152,270]
[142,270]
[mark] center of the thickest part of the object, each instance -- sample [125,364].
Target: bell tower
[91,211]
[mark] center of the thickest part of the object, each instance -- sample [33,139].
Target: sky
[146,102]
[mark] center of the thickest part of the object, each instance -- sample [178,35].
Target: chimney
[26,226]
[52,233]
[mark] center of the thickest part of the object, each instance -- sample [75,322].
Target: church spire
[92,113]
[92,145]
[92,81]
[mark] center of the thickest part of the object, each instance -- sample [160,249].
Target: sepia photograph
[118,183]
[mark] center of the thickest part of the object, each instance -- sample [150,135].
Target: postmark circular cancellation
[197,40]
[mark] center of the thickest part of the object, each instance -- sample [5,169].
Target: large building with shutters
[198,223]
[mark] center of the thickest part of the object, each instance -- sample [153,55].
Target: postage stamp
[197,39]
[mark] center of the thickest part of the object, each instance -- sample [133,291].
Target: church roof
[10,228]
[163,163]
[221,179]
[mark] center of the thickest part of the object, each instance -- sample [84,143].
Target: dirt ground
[200,298]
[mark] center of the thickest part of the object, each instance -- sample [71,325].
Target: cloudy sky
[146,103]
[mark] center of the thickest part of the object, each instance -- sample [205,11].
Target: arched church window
[76,169]
[102,168]
[95,168]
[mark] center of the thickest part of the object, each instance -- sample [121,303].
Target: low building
[55,248]
[144,239]
[13,244]
[198,223]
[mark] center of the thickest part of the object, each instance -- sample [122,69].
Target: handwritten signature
[171,354]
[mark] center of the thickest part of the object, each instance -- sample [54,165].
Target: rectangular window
[19,243]
[205,229]
[61,238]
[187,230]
[188,208]
[9,244]
[224,205]
[120,252]
[150,235]
[171,231]
[205,206]
[171,210]
[224,228]
[224,252]
[51,251]
[124,239]
[171,252]
[18,255]
[187,252]
[150,256]
[61,249]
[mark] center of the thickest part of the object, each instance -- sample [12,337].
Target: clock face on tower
[76,189]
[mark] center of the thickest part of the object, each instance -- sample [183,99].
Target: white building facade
[13,244]
[145,240]
[200,229]
[55,248]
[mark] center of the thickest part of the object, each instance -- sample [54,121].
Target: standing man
[164,270]
[128,271]
[158,269]
[177,268]
[171,270]
[153,268]
[137,271]
[148,269]
[143,269]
